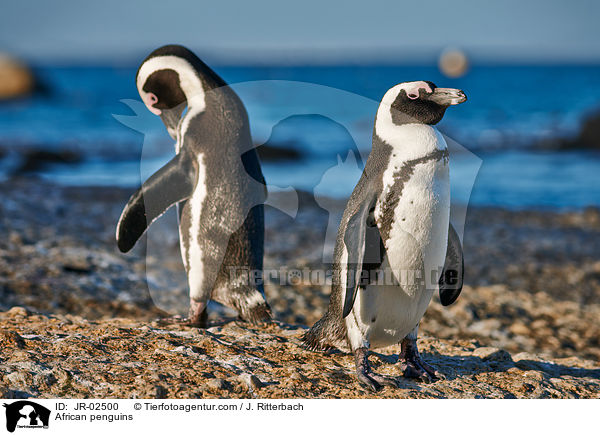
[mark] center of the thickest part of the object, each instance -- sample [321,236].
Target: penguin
[395,244]
[215,179]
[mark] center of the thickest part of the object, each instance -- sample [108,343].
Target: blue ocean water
[324,112]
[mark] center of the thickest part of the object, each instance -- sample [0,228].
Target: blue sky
[303,31]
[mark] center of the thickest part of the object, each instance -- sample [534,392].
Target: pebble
[11,339]
[216,384]
[485,327]
[21,379]
[17,312]
[251,381]
[297,376]
[519,328]
[161,392]
[62,376]
[538,376]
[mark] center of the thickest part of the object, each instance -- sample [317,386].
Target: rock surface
[68,356]
[533,285]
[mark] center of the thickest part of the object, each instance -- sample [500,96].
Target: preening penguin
[395,245]
[215,179]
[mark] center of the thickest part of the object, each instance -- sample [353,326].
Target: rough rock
[68,356]
[78,314]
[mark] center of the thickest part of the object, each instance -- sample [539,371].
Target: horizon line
[311,57]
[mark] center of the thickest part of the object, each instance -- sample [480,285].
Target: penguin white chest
[385,312]
[415,254]
[413,209]
[418,225]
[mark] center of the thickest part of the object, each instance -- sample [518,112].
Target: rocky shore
[68,356]
[78,316]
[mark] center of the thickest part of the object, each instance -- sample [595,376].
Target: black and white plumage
[215,179]
[395,244]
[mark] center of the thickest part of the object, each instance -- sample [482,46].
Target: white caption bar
[247,417]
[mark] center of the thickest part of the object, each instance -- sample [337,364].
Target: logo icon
[26,414]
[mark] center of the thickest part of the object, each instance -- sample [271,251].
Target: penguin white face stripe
[190,83]
[411,88]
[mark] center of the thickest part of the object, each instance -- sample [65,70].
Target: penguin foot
[197,318]
[413,365]
[181,321]
[369,379]
[198,314]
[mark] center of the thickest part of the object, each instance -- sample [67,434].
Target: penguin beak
[448,96]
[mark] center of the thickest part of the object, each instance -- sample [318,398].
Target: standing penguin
[395,244]
[215,179]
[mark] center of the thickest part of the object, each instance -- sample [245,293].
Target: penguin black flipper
[355,236]
[451,280]
[173,183]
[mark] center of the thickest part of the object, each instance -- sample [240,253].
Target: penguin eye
[152,98]
[412,96]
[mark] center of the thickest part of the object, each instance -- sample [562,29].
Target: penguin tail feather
[316,338]
[257,314]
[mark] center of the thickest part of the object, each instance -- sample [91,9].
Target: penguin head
[172,78]
[420,102]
